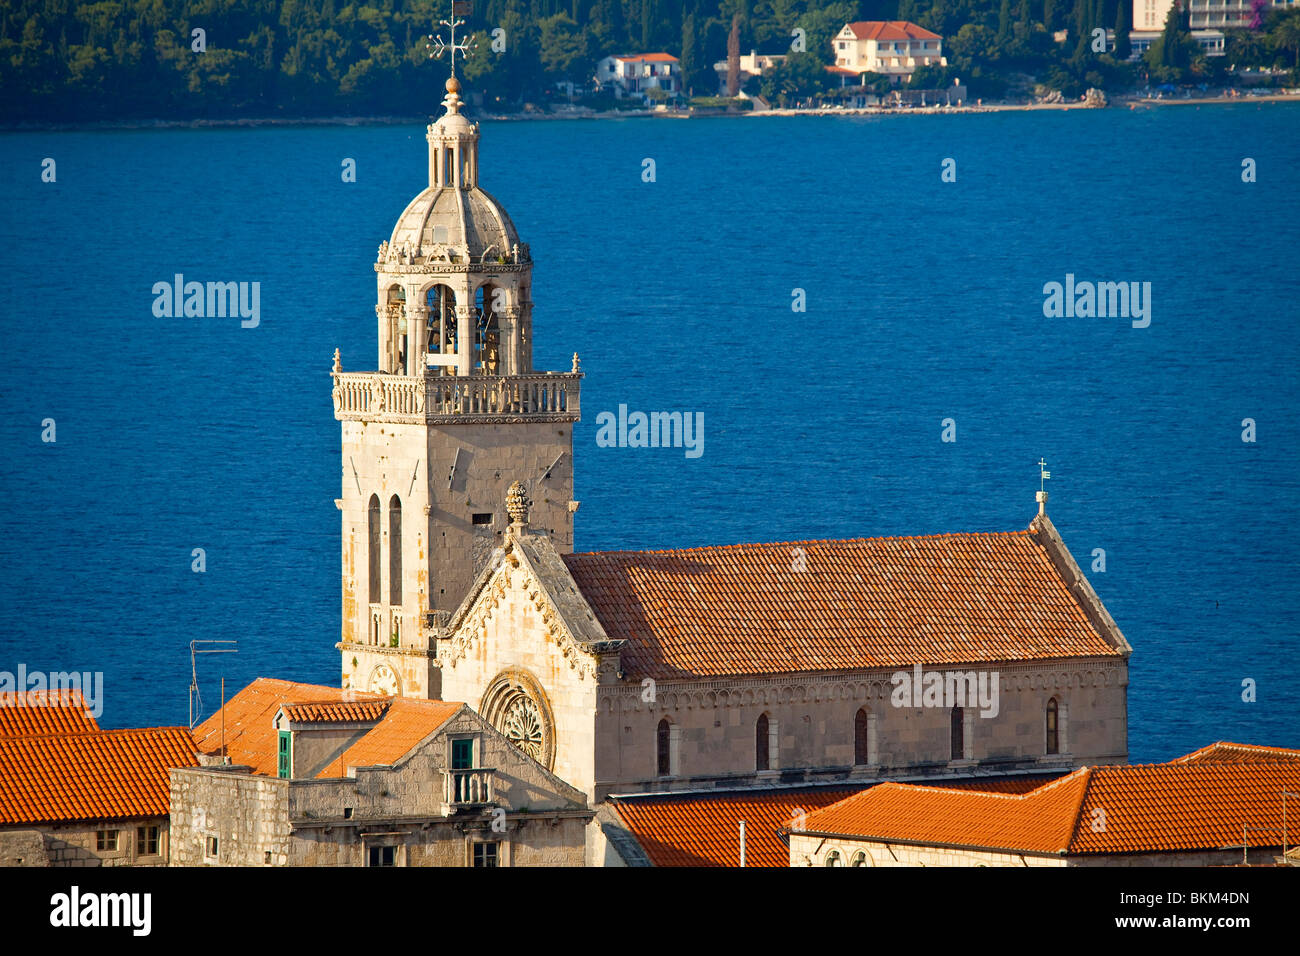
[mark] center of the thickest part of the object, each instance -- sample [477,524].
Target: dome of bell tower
[453,220]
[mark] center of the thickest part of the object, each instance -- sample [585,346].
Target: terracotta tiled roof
[1223,752]
[336,711]
[406,723]
[249,723]
[890,30]
[104,775]
[648,58]
[703,829]
[694,830]
[44,712]
[1040,821]
[861,603]
[1148,808]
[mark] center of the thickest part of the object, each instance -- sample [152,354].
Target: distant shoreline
[1131,102]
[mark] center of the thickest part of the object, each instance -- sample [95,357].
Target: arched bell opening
[440,332]
[395,329]
[489,301]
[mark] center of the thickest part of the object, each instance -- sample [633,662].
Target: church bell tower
[451,415]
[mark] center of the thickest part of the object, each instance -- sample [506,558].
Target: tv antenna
[439,46]
[195,651]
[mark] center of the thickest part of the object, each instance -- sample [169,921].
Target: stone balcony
[450,399]
[468,789]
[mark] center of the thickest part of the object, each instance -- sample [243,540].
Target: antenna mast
[195,696]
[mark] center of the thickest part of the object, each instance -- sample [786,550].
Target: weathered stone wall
[442,548]
[22,848]
[506,631]
[815,718]
[247,814]
[76,844]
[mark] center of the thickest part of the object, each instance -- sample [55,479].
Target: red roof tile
[251,737]
[44,712]
[703,829]
[336,711]
[1223,752]
[890,30]
[861,603]
[695,830]
[1148,808]
[648,58]
[103,775]
[406,723]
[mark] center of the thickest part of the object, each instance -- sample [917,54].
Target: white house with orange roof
[892,48]
[638,73]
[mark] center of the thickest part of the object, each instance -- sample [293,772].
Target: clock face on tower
[383,681]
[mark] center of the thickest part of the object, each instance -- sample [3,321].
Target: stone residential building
[320,777]
[72,794]
[1221,805]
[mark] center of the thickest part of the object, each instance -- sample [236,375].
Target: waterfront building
[638,74]
[892,48]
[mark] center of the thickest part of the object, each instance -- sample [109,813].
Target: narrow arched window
[762,759]
[395,551]
[861,742]
[375,546]
[662,736]
[958,734]
[1053,727]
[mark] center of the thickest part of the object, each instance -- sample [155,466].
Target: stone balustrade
[468,788]
[379,396]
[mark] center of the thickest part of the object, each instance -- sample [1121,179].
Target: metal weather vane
[439,46]
[1043,474]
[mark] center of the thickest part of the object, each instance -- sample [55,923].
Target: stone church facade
[633,671]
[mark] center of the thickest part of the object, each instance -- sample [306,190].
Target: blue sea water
[924,302]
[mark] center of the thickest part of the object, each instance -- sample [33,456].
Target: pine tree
[733,57]
[690,51]
[1051,14]
[1004,21]
[1123,48]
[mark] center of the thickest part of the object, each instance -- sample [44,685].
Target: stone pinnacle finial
[338,363]
[575,362]
[517,504]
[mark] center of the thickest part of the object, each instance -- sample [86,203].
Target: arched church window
[449,166]
[861,739]
[374,551]
[662,741]
[1053,727]
[395,551]
[762,759]
[958,734]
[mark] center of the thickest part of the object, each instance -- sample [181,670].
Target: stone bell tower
[452,414]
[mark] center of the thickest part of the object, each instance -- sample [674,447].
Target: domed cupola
[453,276]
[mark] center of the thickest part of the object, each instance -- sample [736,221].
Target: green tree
[1123,47]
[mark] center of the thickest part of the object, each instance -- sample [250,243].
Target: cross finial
[438,46]
[1043,474]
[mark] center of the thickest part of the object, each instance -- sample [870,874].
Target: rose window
[522,726]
